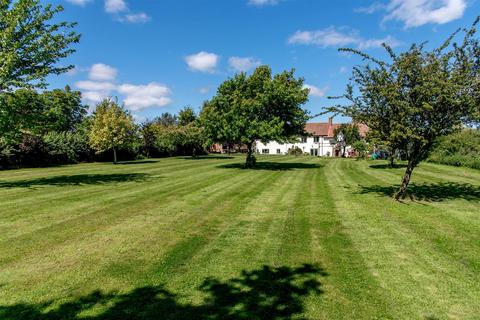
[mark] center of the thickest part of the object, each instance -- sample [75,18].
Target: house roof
[321,128]
[326,129]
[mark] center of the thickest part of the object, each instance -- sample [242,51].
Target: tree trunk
[250,162]
[392,159]
[406,180]
[114,156]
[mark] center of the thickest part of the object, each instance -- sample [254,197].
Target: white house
[319,142]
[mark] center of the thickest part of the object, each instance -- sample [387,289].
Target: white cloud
[376,43]
[243,64]
[138,97]
[115,6]
[81,3]
[204,90]
[94,97]
[202,61]
[102,72]
[325,38]
[374,7]
[93,92]
[315,91]
[141,17]
[95,86]
[343,70]
[333,37]
[415,13]
[260,3]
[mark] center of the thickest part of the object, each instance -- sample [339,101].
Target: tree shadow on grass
[430,192]
[275,166]
[75,180]
[387,166]
[266,293]
[137,162]
[209,157]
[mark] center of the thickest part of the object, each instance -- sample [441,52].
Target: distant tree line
[53,127]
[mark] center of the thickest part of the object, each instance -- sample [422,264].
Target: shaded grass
[75,180]
[298,238]
[430,192]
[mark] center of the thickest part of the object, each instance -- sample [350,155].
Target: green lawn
[296,238]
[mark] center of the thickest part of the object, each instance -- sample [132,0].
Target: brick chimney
[330,121]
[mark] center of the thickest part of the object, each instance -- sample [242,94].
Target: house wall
[325,146]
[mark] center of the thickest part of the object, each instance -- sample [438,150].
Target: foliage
[186,116]
[417,97]
[112,128]
[31,45]
[179,140]
[350,133]
[295,151]
[361,148]
[458,149]
[32,150]
[63,109]
[166,119]
[256,107]
[26,114]
[67,146]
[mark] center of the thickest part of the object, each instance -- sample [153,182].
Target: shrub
[66,147]
[461,149]
[295,151]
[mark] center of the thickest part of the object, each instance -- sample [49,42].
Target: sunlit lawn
[298,237]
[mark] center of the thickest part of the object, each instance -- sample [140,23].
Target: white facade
[316,146]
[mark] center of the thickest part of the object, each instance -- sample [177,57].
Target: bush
[66,147]
[360,148]
[295,151]
[32,151]
[461,149]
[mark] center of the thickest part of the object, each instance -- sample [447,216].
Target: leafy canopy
[112,127]
[30,45]
[418,96]
[256,107]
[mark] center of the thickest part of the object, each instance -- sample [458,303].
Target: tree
[166,119]
[350,133]
[417,97]
[30,44]
[21,113]
[256,107]
[63,109]
[361,148]
[186,116]
[112,128]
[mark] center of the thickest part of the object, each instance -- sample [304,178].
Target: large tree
[417,96]
[31,44]
[256,107]
[112,128]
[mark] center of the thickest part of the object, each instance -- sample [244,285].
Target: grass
[297,238]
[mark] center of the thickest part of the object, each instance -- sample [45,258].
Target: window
[265,151]
[316,139]
[278,151]
[304,139]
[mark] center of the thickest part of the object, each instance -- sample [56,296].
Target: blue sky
[161,55]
